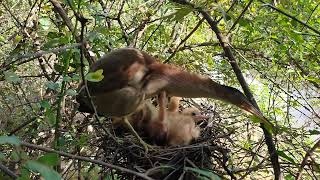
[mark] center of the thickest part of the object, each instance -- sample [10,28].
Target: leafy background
[276,44]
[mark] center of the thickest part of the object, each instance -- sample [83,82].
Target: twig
[232,5]
[59,9]
[83,22]
[292,17]
[125,34]
[18,23]
[227,50]
[154,31]
[240,16]
[35,55]
[198,45]
[8,171]
[33,146]
[184,40]
[304,161]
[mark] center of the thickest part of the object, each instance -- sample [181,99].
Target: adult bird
[131,76]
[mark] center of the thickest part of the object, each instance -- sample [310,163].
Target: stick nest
[203,158]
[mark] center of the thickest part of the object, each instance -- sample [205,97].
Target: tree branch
[304,161]
[292,17]
[33,146]
[227,50]
[59,9]
[184,40]
[32,56]
[8,171]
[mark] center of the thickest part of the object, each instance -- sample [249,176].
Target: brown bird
[131,76]
[180,127]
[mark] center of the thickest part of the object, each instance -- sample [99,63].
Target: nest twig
[207,154]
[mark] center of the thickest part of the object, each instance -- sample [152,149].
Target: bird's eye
[193,113]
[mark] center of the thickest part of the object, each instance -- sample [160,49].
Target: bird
[180,128]
[131,76]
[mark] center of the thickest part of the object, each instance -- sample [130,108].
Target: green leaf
[66,78]
[71,92]
[75,77]
[2,39]
[52,85]
[49,159]
[46,172]
[45,23]
[284,155]
[95,76]
[59,68]
[205,173]
[314,132]
[25,174]
[11,77]
[244,22]
[289,177]
[15,156]
[179,13]
[17,39]
[2,156]
[255,119]
[267,125]
[313,79]
[45,104]
[10,140]
[51,116]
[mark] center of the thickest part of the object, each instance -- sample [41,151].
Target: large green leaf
[95,76]
[11,77]
[203,172]
[50,159]
[46,172]
[10,140]
[284,155]
[45,23]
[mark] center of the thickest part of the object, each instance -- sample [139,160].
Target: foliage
[278,54]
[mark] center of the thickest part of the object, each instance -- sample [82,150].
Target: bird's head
[195,113]
[235,97]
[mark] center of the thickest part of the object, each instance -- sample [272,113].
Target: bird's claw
[146,146]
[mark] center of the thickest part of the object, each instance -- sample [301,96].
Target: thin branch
[125,34]
[83,22]
[23,125]
[304,161]
[314,9]
[232,5]
[7,171]
[59,9]
[240,16]
[228,52]
[198,45]
[184,40]
[45,149]
[292,17]
[32,56]
[13,16]
[153,32]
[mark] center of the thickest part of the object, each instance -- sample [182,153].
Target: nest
[203,158]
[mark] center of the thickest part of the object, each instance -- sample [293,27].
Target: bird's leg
[144,144]
[162,106]
[160,127]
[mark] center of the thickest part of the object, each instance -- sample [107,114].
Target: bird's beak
[247,106]
[200,117]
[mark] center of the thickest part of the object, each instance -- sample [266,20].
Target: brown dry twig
[305,159]
[33,146]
